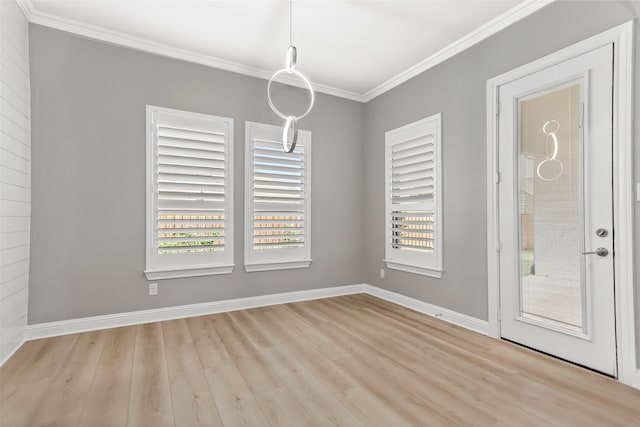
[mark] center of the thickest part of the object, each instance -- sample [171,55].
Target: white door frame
[623,186]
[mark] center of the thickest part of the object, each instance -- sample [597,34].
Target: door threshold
[559,358]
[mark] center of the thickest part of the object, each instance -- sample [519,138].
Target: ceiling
[350,48]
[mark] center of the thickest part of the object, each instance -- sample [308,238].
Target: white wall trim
[72,326]
[468,322]
[94,323]
[159,267]
[271,266]
[277,259]
[493,224]
[137,43]
[511,16]
[415,269]
[175,273]
[424,263]
[515,14]
[624,201]
[622,38]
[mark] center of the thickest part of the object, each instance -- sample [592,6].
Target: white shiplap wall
[15,176]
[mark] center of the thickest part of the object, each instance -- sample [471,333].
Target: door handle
[600,252]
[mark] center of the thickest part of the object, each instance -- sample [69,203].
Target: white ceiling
[351,46]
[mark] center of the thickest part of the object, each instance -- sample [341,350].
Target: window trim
[432,269]
[153,272]
[277,265]
[176,273]
[251,265]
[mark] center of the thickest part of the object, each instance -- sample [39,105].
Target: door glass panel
[551,226]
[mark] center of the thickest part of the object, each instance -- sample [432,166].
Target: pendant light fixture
[290,131]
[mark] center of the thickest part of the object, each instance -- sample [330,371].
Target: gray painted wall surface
[457,88]
[88,226]
[88,128]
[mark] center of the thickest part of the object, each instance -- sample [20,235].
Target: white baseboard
[477,325]
[73,326]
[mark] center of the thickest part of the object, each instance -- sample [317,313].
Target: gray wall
[88,225]
[88,135]
[457,89]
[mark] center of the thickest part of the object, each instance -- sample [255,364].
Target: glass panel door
[556,210]
[550,204]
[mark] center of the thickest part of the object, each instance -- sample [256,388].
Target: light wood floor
[351,361]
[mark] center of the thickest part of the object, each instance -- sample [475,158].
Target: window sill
[177,273]
[268,266]
[424,271]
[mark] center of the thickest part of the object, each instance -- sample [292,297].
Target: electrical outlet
[153,289]
[382,273]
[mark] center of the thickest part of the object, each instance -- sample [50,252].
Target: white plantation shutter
[412,198]
[277,233]
[190,230]
[278,196]
[412,194]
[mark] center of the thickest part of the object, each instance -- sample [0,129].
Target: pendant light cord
[290,22]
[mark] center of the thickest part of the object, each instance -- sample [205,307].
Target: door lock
[602,232]
[600,252]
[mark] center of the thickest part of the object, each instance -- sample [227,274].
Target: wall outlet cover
[153,289]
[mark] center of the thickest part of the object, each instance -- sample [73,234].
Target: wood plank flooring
[350,361]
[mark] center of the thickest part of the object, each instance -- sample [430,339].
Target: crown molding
[511,16]
[137,43]
[27,8]
[516,13]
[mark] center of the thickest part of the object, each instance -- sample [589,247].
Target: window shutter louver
[190,183]
[412,194]
[412,197]
[191,198]
[278,198]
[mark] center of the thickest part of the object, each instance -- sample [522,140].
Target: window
[413,224]
[278,200]
[189,194]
